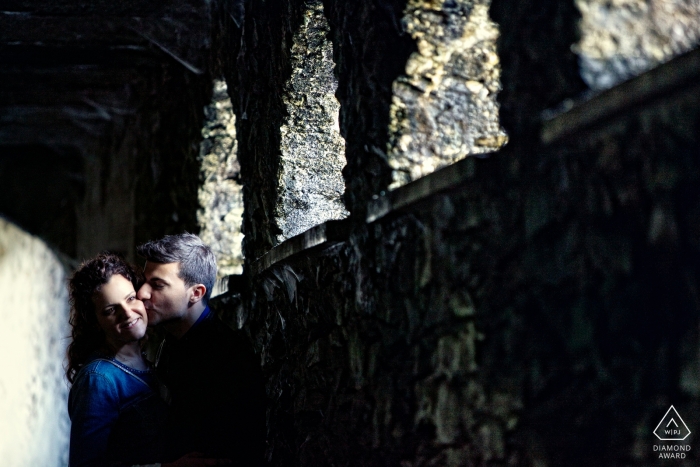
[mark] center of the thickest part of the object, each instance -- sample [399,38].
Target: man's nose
[144,292]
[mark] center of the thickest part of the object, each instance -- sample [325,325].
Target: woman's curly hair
[87,336]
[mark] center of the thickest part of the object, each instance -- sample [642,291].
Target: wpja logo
[672,428]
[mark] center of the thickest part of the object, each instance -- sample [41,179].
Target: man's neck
[180,327]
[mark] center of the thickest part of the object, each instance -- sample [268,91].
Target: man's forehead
[161,270]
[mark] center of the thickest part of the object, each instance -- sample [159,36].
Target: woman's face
[120,314]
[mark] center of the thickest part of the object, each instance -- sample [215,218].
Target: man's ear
[198,292]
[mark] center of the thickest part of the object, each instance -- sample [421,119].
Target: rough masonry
[445,109]
[621,39]
[313,152]
[220,216]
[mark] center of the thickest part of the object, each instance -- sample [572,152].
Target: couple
[200,403]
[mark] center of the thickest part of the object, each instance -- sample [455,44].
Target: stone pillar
[313,152]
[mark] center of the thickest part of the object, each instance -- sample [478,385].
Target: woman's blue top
[116,415]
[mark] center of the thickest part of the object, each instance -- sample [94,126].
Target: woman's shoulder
[105,374]
[97,368]
[95,384]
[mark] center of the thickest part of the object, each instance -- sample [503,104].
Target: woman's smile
[130,324]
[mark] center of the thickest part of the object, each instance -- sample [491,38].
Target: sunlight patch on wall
[621,39]
[221,194]
[444,109]
[34,424]
[311,183]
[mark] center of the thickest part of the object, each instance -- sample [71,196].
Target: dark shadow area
[370,49]
[256,72]
[41,188]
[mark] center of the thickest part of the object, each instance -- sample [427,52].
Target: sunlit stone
[311,183]
[221,195]
[446,101]
[34,424]
[623,38]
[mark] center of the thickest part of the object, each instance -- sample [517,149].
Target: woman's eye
[108,311]
[131,299]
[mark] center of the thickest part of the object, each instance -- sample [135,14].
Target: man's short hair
[197,261]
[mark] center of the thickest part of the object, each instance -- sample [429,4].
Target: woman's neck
[129,354]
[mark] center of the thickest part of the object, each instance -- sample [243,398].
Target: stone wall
[542,313]
[34,424]
[290,149]
[256,72]
[519,319]
[166,151]
[621,39]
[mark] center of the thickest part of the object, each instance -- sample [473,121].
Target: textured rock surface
[470,330]
[623,38]
[370,49]
[34,424]
[445,107]
[514,320]
[259,55]
[313,152]
[221,194]
[290,151]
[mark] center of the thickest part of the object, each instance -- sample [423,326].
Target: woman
[116,414]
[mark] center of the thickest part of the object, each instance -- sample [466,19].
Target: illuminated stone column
[221,195]
[313,151]
[34,424]
[444,108]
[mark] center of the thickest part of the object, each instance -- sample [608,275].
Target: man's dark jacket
[216,391]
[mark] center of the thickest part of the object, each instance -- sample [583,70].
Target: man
[214,383]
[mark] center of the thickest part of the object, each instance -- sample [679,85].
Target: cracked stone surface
[621,39]
[444,109]
[221,195]
[313,151]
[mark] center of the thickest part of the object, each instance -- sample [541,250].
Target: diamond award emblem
[672,427]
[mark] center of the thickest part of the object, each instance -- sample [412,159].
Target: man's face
[165,295]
